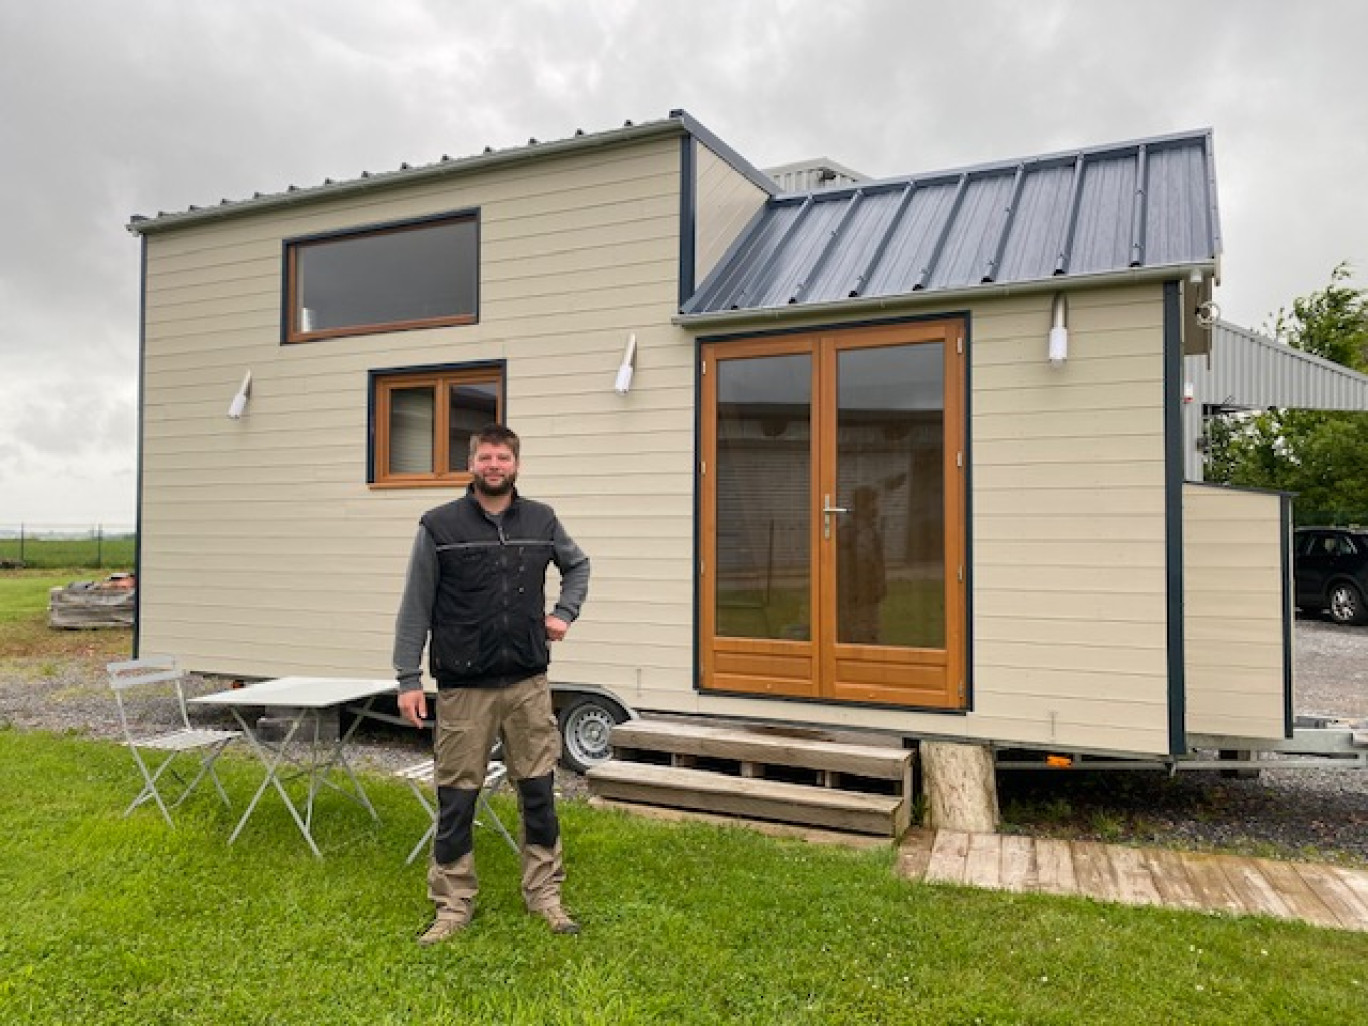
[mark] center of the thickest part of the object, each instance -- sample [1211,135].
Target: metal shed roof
[1140,205]
[1246,370]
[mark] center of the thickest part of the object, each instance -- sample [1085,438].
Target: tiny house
[900,455]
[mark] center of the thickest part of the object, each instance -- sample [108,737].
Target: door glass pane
[473,405]
[890,542]
[412,412]
[763,511]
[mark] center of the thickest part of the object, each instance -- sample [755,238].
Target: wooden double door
[832,502]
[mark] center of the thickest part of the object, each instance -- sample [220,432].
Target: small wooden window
[418,274]
[423,422]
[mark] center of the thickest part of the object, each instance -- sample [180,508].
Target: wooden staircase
[759,773]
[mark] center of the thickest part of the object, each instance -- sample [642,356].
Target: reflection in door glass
[764,443]
[890,482]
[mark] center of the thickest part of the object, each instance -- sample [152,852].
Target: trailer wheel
[586,724]
[1346,604]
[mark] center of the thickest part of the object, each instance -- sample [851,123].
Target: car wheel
[586,727]
[1346,604]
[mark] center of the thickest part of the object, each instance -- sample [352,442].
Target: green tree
[1332,323]
[1320,455]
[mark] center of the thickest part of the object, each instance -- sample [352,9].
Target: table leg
[273,777]
[341,757]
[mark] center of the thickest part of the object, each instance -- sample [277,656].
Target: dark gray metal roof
[1145,204]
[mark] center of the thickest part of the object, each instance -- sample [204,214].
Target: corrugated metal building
[1247,371]
[817,173]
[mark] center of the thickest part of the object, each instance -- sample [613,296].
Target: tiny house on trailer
[901,455]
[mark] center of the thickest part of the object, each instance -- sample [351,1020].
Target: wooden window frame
[384,383]
[293,247]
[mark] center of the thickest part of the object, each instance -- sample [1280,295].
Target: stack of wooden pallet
[761,773]
[89,604]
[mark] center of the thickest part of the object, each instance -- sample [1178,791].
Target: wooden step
[777,800]
[759,747]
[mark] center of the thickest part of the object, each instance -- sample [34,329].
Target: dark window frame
[383,382]
[291,333]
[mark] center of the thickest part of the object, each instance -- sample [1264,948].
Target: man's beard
[494,490]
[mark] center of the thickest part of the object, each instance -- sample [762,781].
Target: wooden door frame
[792,653]
[821,653]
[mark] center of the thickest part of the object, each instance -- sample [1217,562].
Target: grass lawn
[114,550]
[110,920]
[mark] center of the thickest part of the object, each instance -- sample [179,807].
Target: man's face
[495,469]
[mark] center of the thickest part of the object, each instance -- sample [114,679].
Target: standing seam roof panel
[1030,253]
[974,235]
[912,245]
[1103,210]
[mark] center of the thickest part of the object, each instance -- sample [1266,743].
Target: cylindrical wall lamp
[1059,330]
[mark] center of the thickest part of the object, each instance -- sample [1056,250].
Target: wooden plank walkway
[1328,896]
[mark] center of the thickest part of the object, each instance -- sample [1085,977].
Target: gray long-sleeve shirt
[414,619]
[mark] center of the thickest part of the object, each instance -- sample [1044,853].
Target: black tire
[586,723]
[1345,603]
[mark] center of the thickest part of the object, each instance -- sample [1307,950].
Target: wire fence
[50,546]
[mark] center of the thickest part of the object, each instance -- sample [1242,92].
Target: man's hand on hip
[413,706]
[555,628]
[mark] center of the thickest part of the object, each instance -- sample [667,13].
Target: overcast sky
[114,107]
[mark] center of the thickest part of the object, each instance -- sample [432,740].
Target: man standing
[476,594]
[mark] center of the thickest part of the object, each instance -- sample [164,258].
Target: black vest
[489,619]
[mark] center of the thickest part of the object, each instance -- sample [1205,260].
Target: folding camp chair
[160,676]
[421,774]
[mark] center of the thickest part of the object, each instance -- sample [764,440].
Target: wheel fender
[563,694]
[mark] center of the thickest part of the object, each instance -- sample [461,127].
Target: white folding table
[302,700]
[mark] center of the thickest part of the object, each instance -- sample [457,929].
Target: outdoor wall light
[1059,330]
[239,403]
[624,374]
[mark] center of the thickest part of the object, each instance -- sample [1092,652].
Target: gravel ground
[71,696]
[1318,813]
[1295,813]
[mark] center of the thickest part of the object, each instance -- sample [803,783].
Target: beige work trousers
[469,720]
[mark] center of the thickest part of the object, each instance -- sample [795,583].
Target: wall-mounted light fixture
[239,403]
[624,374]
[1059,330]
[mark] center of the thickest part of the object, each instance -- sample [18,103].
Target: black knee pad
[538,802]
[455,820]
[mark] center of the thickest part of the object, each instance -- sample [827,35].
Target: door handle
[827,510]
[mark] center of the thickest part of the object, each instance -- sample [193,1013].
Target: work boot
[558,919]
[449,922]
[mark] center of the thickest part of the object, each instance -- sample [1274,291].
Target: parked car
[1330,566]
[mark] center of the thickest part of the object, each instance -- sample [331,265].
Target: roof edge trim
[905,300]
[738,163]
[671,126]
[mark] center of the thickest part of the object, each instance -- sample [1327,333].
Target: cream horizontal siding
[724,203]
[1070,646]
[265,552]
[1068,522]
[1234,612]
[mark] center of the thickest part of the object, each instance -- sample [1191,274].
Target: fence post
[21,544]
[99,546]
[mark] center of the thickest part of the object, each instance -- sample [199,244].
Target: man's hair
[495,434]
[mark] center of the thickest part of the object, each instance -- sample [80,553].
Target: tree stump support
[960,783]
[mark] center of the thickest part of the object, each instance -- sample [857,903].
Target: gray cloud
[107,110]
